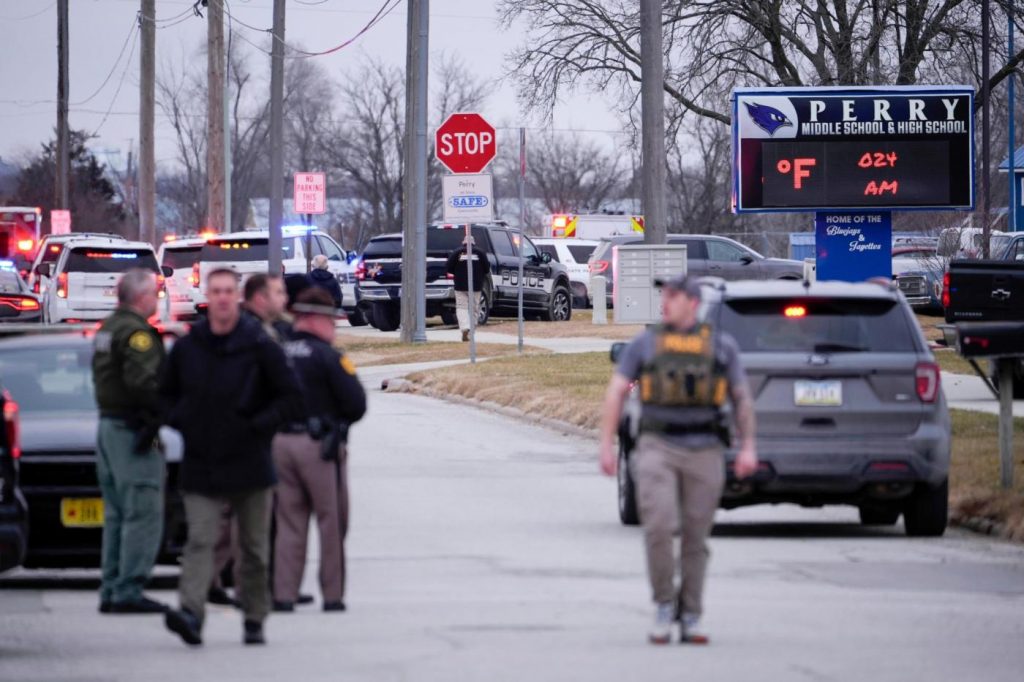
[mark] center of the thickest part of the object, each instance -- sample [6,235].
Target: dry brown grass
[950,361]
[580,325]
[930,326]
[367,351]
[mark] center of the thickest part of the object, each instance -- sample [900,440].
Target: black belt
[672,429]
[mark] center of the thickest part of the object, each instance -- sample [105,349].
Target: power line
[120,83]
[31,16]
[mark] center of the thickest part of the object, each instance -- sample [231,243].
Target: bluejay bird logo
[768,119]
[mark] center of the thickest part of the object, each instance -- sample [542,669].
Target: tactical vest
[683,387]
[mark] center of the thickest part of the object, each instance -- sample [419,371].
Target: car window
[95,260]
[390,247]
[10,282]
[51,253]
[48,379]
[181,257]
[441,241]
[818,325]
[1017,250]
[330,249]
[719,250]
[502,243]
[580,253]
[694,247]
[529,250]
[550,250]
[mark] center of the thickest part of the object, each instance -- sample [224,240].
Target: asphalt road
[483,549]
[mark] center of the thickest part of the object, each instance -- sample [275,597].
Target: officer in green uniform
[127,361]
[685,372]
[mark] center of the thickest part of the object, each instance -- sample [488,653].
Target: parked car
[848,400]
[706,255]
[181,256]
[13,508]
[50,248]
[918,274]
[17,302]
[574,255]
[50,377]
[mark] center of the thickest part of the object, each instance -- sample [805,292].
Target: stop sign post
[465,143]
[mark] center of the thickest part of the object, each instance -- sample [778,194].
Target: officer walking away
[229,388]
[458,268]
[311,455]
[127,361]
[321,277]
[686,371]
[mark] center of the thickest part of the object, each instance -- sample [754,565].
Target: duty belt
[673,429]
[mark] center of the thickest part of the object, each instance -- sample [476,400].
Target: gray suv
[849,405]
[706,256]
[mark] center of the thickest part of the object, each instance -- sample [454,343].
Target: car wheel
[483,306]
[356,318]
[926,511]
[628,514]
[387,317]
[449,317]
[878,515]
[560,306]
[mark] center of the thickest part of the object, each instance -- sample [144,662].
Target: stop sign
[465,143]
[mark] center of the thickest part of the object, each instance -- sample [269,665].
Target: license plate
[818,393]
[181,298]
[81,512]
[109,292]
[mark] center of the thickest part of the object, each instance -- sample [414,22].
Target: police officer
[458,267]
[311,458]
[126,365]
[686,371]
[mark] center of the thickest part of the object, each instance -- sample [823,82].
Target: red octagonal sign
[465,143]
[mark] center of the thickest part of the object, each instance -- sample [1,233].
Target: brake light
[795,311]
[927,376]
[20,303]
[361,270]
[193,279]
[25,245]
[598,267]
[62,285]
[161,286]
[945,290]
[11,425]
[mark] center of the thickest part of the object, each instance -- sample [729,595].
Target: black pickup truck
[546,291]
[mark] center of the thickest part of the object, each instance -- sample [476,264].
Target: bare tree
[572,174]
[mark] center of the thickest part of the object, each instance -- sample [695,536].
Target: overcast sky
[99,29]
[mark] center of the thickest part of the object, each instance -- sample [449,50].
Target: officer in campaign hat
[685,371]
[310,455]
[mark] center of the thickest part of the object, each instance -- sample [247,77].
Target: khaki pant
[205,517]
[309,485]
[462,309]
[667,476]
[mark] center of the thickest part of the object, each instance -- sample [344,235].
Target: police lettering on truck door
[532,279]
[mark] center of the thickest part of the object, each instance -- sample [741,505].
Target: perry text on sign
[468,199]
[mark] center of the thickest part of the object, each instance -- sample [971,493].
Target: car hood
[72,430]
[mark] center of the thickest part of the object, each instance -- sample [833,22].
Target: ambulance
[594,226]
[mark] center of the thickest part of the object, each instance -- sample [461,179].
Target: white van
[82,283]
[247,253]
[181,255]
[573,254]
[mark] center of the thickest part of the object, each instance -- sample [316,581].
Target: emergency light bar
[100,254]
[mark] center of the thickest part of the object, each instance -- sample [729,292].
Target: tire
[449,317]
[356,318]
[926,511]
[560,306]
[628,513]
[386,317]
[483,306]
[874,515]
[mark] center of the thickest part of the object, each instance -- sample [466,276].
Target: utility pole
[986,193]
[60,198]
[227,130]
[276,138]
[147,105]
[414,191]
[652,121]
[215,116]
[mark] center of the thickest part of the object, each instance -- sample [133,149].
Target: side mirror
[616,352]
[44,270]
[166,270]
[746,260]
[545,258]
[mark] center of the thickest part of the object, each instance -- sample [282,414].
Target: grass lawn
[581,324]
[366,351]
[570,388]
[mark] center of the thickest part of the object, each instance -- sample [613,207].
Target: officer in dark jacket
[321,277]
[229,388]
[457,267]
[311,456]
[127,362]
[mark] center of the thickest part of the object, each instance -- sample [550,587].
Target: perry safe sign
[853,247]
[808,149]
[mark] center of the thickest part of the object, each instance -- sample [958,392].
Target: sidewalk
[556,345]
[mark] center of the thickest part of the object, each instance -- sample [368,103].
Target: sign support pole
[471,294]
[1011,96]
[522,230]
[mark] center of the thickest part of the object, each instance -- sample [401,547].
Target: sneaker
[465,335]
[253,633]
[661,629]
[137,606]
[690,630]
[184,624]
[334,605]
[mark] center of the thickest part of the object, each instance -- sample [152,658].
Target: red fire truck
[19,234]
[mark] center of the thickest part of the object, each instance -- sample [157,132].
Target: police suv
[546,287]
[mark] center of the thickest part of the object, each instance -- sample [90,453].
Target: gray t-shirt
[642,349]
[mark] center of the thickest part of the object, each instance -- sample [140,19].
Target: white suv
[50,248]
[82,284]
[181,255]
[573,254]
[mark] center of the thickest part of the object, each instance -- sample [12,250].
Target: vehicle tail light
[193,279]
[161,286]
[598,267]
[25,245]
[62,285]
[795,311]
[927,379]
[945,290]
[20,303]
[361,271]
[11,427]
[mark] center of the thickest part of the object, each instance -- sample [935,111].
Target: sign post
[60,221]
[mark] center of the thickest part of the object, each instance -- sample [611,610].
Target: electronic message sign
[892,148]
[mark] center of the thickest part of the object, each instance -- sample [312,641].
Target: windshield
[181,257]
[581,253]
[47,379]
[243,250]
[809,325]
[998,244]
[92,260]
[442,241]
[384,248]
